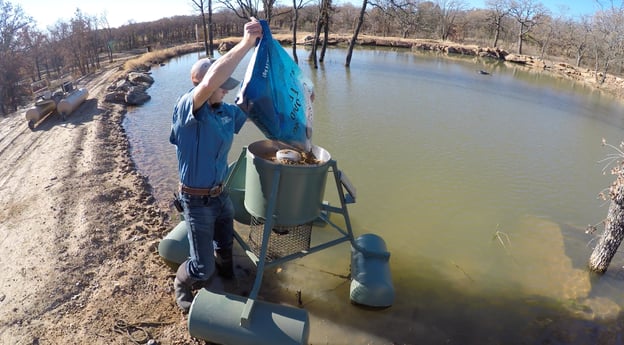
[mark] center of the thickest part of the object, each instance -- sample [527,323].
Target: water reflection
[481,186]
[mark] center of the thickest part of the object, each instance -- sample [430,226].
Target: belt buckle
[215,191]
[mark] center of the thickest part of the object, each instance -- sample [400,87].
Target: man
[203,129]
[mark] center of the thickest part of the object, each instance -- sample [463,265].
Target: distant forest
[81,44]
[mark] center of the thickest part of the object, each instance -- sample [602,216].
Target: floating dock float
[71,102]
[39,111]
[218,318]
[371,283]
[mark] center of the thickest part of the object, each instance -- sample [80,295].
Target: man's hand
[252,32]
[224,66]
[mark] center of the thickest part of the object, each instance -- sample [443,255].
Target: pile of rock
[131,89]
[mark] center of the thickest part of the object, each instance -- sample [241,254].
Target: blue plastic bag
[275,94]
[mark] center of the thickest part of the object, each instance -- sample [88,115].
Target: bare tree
[345,17]
[579,38]
[544,34]
[528,14]
[35,44]
[322,22]
[449,9]
[569,37]
[13,24]
[356,32]
[267,7]
[405,14]
[59,37]
[109,36]
[498,10]
[200,5]
[242,8]
[297,5]
[78,41]
[609,29]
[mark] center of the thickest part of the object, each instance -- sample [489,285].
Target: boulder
[130,90]
[140,78]
[121,84]
[136,96]
[519,59]
[115,97]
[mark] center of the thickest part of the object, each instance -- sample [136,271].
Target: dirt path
[79,232]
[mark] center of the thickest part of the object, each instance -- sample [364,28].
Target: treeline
[81,44]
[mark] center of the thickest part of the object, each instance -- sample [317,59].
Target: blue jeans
[209,219]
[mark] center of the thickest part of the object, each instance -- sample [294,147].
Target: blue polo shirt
[203,140]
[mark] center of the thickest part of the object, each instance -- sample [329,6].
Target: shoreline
[613,85]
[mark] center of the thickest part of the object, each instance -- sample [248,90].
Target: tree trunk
[614,229]
[610,241]
[604,71]
[317,34]
[497,33]
[325,37]
[210,30]
[520,38]
[206,48]
[579,58]
[294,24]
[356,33]
[109,50]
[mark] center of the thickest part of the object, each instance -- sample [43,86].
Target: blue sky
[572,7]
[119,12]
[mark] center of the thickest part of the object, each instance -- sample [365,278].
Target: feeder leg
[343,201]
[268,226]
[246,314]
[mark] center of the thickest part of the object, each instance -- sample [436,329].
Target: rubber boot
[225,263]
[214,284]
[182,286]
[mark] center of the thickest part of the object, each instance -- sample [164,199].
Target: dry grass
[144,61]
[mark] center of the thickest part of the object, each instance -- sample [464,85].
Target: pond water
[481,185]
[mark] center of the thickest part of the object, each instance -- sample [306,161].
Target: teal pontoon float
[281,203]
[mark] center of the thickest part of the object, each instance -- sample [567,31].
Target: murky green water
[481,186]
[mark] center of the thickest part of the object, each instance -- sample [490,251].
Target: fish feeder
[282,202]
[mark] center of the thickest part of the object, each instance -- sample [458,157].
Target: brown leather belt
[211,192]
